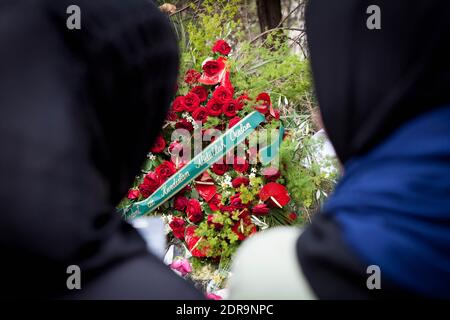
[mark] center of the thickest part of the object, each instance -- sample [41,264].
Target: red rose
[260,210]
[177,104]
[178,227]
[222,94]
[165,170]
[159,145]
[151,182]
[180,203]
[216,225]
[190,102]
[237,182]
[240,164]
[192,76]
[275,194]
[201,92]
[292,216]
[222,47]
[233,122]
[200,114]
[194,211]
[215,202]
[184,124]
[213,67]
[230,108]
[214,107]
[219,168]
[133,194]
[271,174]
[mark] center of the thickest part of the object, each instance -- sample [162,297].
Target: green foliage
[270,66]
[223,243]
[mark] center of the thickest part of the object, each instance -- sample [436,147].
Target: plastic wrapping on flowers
[236,197]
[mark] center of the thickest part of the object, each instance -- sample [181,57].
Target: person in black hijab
[79,111]
[385,101]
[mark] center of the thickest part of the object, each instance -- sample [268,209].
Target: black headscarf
[385,101]
[369,82]
[79,111]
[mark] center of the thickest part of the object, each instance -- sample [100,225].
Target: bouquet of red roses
[235,197]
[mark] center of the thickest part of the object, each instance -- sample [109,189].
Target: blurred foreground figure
[385,100]
[79,111]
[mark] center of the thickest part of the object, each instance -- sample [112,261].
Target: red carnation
[219,168]
[230,108]
[178,105]
[192,76]
[180,203]
[159,145]
[190,102]
[165,170]
[275,194]
[184,124]
[200,114]
[201,92]
[223,94]
[194,210]
[151,182]
[233,122]
[271,174]
[239,181]
[260,210]
[240,164]
[222,47]
[178,227]
[133,194]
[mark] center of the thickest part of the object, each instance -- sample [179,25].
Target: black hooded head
[371,81]
[79,111]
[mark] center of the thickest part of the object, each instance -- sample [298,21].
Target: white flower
[253,170]
[251,175]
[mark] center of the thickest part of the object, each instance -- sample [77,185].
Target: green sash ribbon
[201,162]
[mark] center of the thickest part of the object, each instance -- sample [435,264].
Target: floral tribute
[234,198]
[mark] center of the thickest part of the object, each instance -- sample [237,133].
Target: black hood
[79,111]
[370,82]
